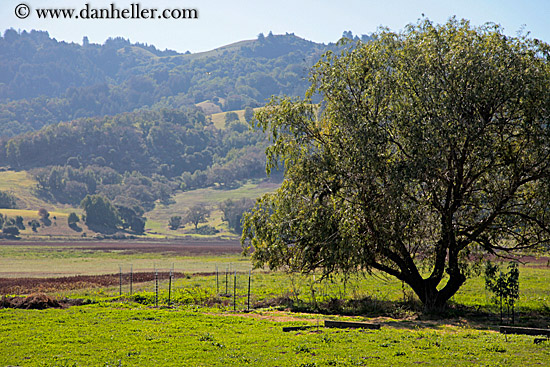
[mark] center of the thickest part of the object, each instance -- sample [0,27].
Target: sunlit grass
[132,335]
[210,197]
[200,328]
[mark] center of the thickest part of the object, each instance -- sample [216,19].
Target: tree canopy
[196,214]
[430,149]
[100,213]
[44,81]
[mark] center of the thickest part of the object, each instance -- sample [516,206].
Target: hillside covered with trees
[43,81]
[125,122]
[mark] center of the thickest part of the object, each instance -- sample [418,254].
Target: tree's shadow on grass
[410,314]
[102,229]
[75,227]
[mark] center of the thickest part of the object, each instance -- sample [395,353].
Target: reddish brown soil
[46,285]
[180,247]
[38,301]
[186,247]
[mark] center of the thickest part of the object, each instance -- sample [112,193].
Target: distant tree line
[7,200]
[135,159]
[169,143]
[44,81]
[103,216]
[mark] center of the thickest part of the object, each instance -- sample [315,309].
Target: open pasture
[55,259]
[202,327]
[106,335]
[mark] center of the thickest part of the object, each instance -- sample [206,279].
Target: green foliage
[505,286]
[7,200]
[45,81]
[230,117]
[206,230]
[10,231]
[175,222]
[43,214]
[428,150]
[196,214]
[233,211]
[73,219]
[144,157]
[131,217]
[69,185]
[248,114]
[100,212]
[143,141]
[34,224]
[19,222]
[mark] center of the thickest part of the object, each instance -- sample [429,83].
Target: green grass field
[130,335]
[157,219]
[219,118]
[21,185]
[200,328]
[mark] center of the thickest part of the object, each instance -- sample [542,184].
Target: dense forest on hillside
[123,121]
[141,155]
[43,81]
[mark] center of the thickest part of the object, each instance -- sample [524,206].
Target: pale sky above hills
[222,22]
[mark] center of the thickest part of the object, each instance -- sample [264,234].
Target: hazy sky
[221,22]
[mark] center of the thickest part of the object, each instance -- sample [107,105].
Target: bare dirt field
[46,285]
[187,247]
[54,266]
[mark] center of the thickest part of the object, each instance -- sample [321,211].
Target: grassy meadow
[201,326]
[204,320]
[129,335]
[157,219]
[21,184]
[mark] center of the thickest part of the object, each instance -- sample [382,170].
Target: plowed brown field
[179,247]
[47,285]
[189,247]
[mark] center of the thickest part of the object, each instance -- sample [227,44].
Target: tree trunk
[436,300]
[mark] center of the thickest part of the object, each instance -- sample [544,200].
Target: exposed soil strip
[180,247]
[50,285]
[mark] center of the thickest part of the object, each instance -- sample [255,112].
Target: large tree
[100,212]
[197,214]
[430,148]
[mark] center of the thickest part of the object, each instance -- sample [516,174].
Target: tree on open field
[233,211]
[19,223]
[174,222]
[100,212]
[196,214]
[131,217]
[34,224]
[7,200]
[44,216]
[73,219]
[10,231]
[431,149]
